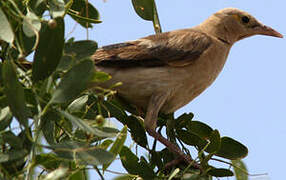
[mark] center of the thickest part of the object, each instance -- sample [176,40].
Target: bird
[163,72]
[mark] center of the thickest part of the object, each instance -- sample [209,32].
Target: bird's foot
[173,148]
[174,163]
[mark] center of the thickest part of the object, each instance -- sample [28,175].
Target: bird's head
[231,25]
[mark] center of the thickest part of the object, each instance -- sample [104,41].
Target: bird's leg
[155,103]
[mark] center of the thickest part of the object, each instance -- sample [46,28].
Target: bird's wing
[175,48]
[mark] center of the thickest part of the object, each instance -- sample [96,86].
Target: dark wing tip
[116,46]
[125,63]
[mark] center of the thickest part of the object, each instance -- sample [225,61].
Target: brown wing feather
[175,48]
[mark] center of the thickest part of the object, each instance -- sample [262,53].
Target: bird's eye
[245,19]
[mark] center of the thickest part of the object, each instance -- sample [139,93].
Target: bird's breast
[196,78]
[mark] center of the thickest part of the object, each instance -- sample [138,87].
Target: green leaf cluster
[188,133]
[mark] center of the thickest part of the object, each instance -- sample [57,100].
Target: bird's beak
[268,31]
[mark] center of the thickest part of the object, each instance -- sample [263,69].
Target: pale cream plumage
[163,72]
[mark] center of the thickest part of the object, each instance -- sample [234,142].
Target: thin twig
[99,173]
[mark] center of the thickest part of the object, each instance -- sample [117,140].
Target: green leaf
[78,104]
[117,145]
[49,50]
[105,144]
[144,8]
[96,157]
[146,172]
[6,32]
[17,162]
[10,138]
[79,174]
[48,126]
[200,129]
[59,173]
[3,101]
[1,78]
[183,120]
[129,160]
[240,170]
[166,155]
[73,82]
[124,177]
[83,20]
[57,8]
[214,142]
[190,138]
[220,172]
[86,155]
[31,101]
[14,93]
[116,111]
[80,49]
[174,173]
[5,118]
[27,43]
[49,161]
[25,136]
[231,149]
[31,24]
[38,6]
[86,127]
[156,159]
[14,160]
[99,76]
[13,155]
[189,176]
[137,131]
[76,51]
[84,16]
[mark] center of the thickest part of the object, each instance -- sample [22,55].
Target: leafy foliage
[51,121]
[146,9]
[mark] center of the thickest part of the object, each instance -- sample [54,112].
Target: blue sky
[247,101]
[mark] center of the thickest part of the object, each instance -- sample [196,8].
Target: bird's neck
[213,26]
